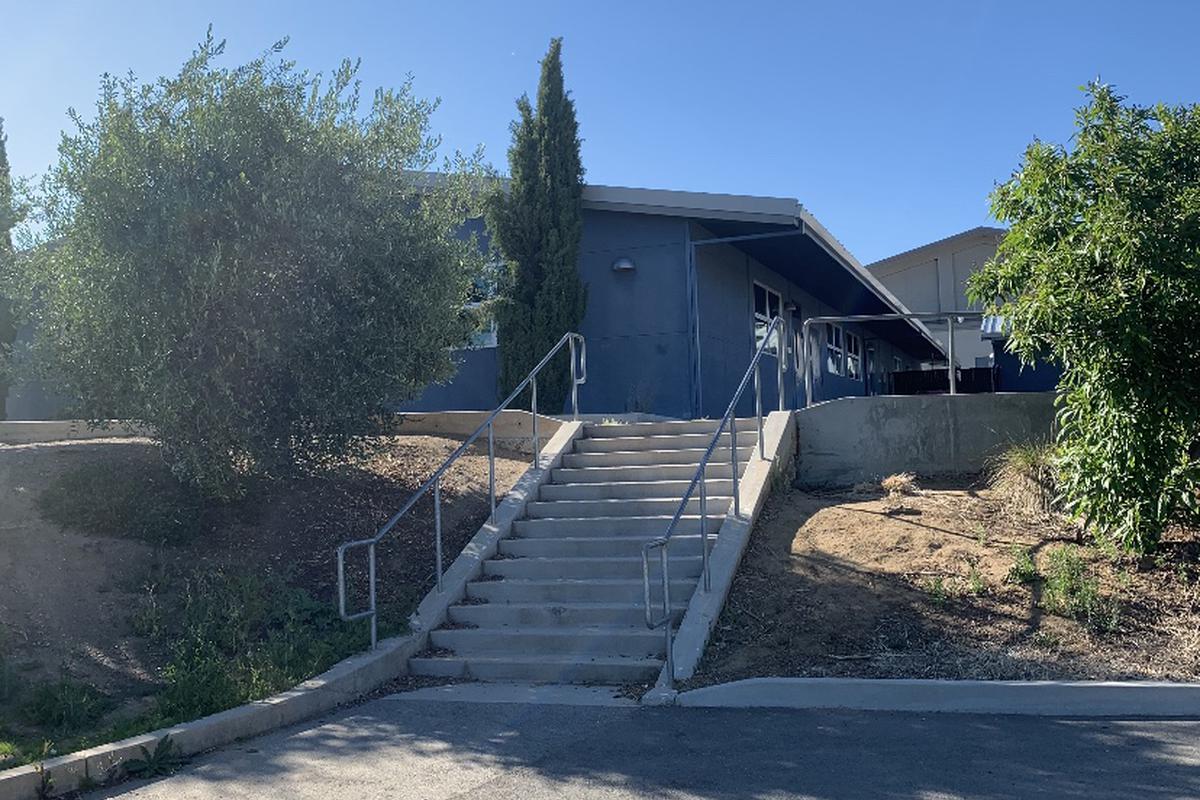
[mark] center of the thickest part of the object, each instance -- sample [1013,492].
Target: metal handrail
[662,543]
[578,377]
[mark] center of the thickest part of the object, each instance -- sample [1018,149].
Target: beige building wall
[933,278]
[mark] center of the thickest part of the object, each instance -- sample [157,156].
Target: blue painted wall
[1012,377]
[636,324]
[473,388]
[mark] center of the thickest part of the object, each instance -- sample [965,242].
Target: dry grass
[1025,476]
[902,484]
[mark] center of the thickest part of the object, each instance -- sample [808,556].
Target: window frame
[853,355]
[835,354]
[758,319]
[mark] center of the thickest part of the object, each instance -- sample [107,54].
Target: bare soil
[68,598]
[855,584]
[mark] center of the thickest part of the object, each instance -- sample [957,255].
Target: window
[897,364]
[482,295]
[853,356]
[767,305]
[834,360]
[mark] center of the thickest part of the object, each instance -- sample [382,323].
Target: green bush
[64,706]
[250,262]
[1072,591]
[237,638]
[1100,272]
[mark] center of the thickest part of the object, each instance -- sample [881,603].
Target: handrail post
[574,384]
[533,405]
[758,407]
[780,365]
[492,471]
[704,525]
[371,579]
[437,528]
[953,373]
[666,587]
[737,506]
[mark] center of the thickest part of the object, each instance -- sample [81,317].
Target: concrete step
[544,669]
[685,441]
[612,526]
[594,430]
[586,568]
[608,590]
[717,487]
[543,615]
[594,641]
[599,546]
[629,458]
[551,509]
[645,473]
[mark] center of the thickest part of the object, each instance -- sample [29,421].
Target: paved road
[393,748]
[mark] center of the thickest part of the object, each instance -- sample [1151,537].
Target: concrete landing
[532,693]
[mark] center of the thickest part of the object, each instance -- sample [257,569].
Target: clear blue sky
[890,121]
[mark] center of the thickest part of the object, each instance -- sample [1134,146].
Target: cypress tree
[536,228]
[8,328]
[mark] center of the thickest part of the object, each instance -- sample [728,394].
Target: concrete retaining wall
[855,439]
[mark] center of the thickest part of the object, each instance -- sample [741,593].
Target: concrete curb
[344,682]
[1032,698]
[38,431]
[704,608]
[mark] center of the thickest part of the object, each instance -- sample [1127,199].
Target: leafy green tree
[1100,272]
[251,263]
[8,220]
[536,226]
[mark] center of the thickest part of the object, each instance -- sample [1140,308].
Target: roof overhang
[694,205]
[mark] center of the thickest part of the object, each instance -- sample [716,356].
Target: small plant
[899,485]
[937,590]
[45,787]
[165,759]
[1072,591]
[976,584]
[1024,571]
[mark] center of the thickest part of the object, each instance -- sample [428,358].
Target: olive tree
[1100,272]
[251,262]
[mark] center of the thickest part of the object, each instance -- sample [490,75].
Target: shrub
[64,706]
[240,637]
[1072,591]
[250,263]
[1100,272]
[1026,476]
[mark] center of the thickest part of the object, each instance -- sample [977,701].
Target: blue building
[680,288]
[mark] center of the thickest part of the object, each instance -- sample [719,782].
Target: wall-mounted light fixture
[789,306]
[624,264]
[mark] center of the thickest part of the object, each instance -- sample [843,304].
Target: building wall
[1012,376]
[851,440]
[636,325]
[473,387]
[726,278]
[934,278]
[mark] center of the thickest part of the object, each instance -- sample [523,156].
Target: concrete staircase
[562,600]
